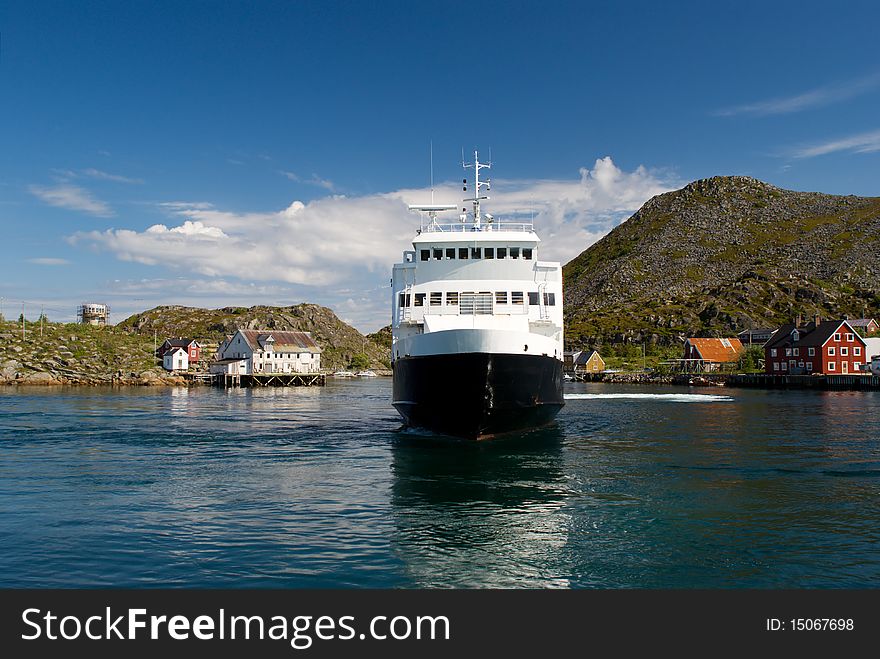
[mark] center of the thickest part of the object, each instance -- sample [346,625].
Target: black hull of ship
[477,395]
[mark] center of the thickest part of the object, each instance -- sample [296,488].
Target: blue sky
[219,153]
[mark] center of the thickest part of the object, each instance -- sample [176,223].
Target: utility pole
[22,321]
[41,321]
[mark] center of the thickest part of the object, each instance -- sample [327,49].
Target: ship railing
[487,227]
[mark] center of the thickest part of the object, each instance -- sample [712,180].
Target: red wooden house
[831,347]
[193,349]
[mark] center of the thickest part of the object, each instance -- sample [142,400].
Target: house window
[533,298]
[438,254]
[809,366]
[404,299]
[849,337]
[811,352]
[775,366]
[857,351]
[514,252]
[502,252]
[425,254]
[450,252]
[489,253]
[420,300]
[831,351]
[831,366]
[788,352]
[772,352]
[784,366]
[527,253]
[550,299]
[796,352]
[462,253]
[844,352]
[837,337]
[800,364]
[436,298]
[500,297]
[452,298]
[476,252]
[857,366]
[517,297]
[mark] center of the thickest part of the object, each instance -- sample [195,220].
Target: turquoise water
[634,487]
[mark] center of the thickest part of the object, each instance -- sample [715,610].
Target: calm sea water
[634,487]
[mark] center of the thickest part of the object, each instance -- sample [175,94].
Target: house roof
[861,322]
[811,335]
[179,343]
[585,356]
[717,350]
[174,349]
[282,341]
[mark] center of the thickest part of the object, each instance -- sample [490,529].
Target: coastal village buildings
[583,361]
[755,336]
[249,352]
[865,325]
[192,348]
[175,359]
[709,354]
[832,347]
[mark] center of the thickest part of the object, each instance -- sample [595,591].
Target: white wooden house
[176,359]
[249,352]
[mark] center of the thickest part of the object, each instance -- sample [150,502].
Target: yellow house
[589,362]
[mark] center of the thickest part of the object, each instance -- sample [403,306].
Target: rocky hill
[340,342]
[721,255]
[70,353]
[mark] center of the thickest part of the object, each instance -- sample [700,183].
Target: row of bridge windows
[435,298]
[463,253]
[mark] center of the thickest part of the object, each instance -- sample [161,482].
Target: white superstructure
[475,285]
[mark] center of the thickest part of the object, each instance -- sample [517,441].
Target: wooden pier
[764,381]
[227,380]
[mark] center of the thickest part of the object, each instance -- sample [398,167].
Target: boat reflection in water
[488,515]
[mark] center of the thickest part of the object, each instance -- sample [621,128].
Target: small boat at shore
[343,374]
[366,374]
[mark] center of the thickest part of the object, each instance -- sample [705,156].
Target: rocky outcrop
[722,255]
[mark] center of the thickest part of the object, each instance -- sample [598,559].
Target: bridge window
[514,252]
[476,253]
[450,252]
[489,253]
[425,254]
[533,298]
[517,297]
[527,253]
[420,300]
[500,297]
[438,254]
[452,298]
[404,299]
[436,298]
[550,299]
[502,252]
[462,252]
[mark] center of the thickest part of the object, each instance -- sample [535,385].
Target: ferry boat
[477,325]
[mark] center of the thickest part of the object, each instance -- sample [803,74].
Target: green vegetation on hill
[340,342]
[75,353]
[722,255]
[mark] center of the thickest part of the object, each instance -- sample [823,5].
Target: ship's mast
[478,184]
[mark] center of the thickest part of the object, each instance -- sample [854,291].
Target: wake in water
[669,398]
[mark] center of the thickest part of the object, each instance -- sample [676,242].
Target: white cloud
[861,143]
[813,98]
[98,174]
[45,260]
[71,197]
[313,180]
[338,250]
